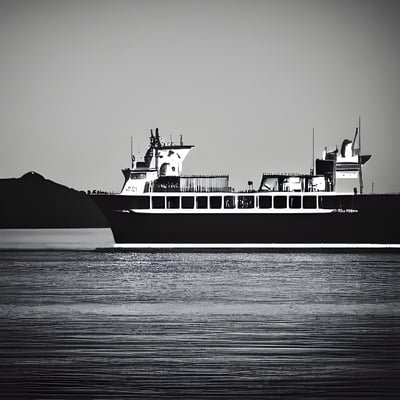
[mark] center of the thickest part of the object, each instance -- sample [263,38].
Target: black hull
[376,221]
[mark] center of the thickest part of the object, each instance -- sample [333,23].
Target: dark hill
[35,202]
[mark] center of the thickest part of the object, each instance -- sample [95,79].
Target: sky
[246,82]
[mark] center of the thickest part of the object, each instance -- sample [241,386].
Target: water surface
[162,325]
[55,239]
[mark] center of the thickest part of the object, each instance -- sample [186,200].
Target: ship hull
[374,223]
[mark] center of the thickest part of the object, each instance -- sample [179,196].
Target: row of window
[241,202]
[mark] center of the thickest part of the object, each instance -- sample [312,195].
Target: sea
[77,323]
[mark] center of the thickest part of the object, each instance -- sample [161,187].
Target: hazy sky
[244,81]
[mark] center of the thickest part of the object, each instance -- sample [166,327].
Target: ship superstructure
[162,167]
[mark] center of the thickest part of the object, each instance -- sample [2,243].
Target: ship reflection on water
[160,325]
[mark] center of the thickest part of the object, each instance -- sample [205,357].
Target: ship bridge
[161,162]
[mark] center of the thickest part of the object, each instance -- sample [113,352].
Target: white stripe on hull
[237,211]
[256,246]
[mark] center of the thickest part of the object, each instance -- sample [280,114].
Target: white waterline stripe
[257,245]
[241,211]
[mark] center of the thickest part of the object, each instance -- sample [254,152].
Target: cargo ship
[161,208]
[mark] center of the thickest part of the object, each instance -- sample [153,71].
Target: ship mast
[312,160]
[359,156]
[132,156]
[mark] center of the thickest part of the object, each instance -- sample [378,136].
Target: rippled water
[82,324]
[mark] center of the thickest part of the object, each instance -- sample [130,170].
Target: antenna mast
[359,156]
[312,161]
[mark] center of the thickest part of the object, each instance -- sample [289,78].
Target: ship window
[330,202]
[245,201]
[294,201]
[138,175]
[280,202]
[140,202]
[229,201]
[309,202]
[201,202]
[215,201]
[172,202]
[188,202]
[336,202]
[158,202]
[346,202]
[265,202]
